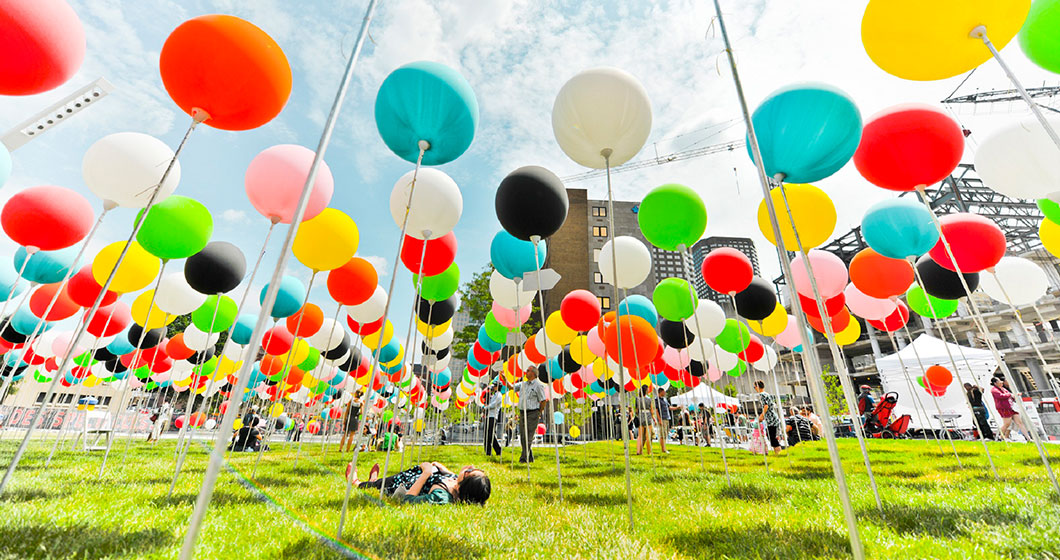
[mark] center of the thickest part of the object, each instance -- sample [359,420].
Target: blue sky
[516,55]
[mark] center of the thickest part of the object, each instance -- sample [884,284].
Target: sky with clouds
[516,55]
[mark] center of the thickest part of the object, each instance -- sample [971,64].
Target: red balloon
[976,241]
[43,44]
[156,359]
[439,254]
[938,377]
[832,306]
[727,270]
[42,297]
[176,348]
[895,320]
[307,321]
[364,329]
[277,340]
[353,283]
[530,349]
[30,357]
[907,146]
[84,289]
[879,276]
[485,358]
[228,68]
[46,218]
[580,310]
[110,320]
[839,321]
[754,351]
[639,341]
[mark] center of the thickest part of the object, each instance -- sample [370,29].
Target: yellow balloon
[812,210]
[276,410]
[431,332]
[600,369]
[1049,233]
[918,40]
[137,270]
[309,381]
[514,397]
[364,379]
[91,381]
[579,350]
[299,352]
[418,424]
[372,340]
[327,241]
[575,431]
[237,424]
[772,325]
[157,318]
[182,382]
[850,334]
[558,331]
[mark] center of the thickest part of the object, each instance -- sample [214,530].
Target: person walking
[646,414]
[353,416]
[704,419]
[769,416]
[979,410]
[531,394]
[664,413]
[493,420]
[1003,401]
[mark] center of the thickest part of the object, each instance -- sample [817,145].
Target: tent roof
[932,351]
[702,394]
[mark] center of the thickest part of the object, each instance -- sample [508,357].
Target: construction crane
[1005,96]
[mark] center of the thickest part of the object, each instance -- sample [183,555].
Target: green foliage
[729,390]
[475,299]
[833,392]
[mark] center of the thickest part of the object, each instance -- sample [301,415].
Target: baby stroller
[878,423]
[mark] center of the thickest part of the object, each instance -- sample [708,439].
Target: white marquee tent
[703,393]
[973,366]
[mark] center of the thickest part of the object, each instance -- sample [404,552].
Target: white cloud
[380,264]
[235,217]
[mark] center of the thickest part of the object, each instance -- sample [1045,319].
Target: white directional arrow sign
[543,280]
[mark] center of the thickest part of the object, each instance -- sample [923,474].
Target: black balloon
[566,361]
[675,334]
[151,338]
[340,350]
[439,354]
[217,269]
[9,333]
[697,369]
[352,361]
[942,282]
[437,312]
[202,356]
[115,366]
[531,201]
[757,301]
[103,355]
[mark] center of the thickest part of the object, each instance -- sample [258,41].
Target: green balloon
[1039,38]
[677,384]
[85,360]
[40,377]
[673,299]
[175,228]
[206,368]
[142,372]
[923,303]
[321,387]
[672,216]
[150,385]
[1050,209]
[440,286]
[920,380]
[741,367]
[495,330]
[310,361]
[204,317]
[734,338]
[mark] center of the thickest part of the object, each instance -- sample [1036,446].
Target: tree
[833,392]
[476,301]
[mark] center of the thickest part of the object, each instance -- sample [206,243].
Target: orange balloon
[639,341]
[228,68]
[311,318]
[879,276]
[62,308]
[530,348]
[176,348]
[271,365]
[938,376]
[353,283]
[294,378]
[839,322]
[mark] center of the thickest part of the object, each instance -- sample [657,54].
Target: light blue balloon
[25,322]
[390,351]
[899,228]
[806,131]
[596,387]
[8,278]
[390,369]
[45,267]
[553,368]
[121,345]
[336,379]
[641,307]
[13,360]
[5,164]
[426,101]
[487,343]
[513,257]
[557,418]
[243,328]
[442,378]
[288,300]
[473,363]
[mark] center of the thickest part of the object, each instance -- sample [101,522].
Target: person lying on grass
[430,483]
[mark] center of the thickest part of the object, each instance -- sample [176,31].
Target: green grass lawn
[683,507]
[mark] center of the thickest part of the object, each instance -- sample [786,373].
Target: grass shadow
[806,474]
[748,493]
[597,500]
[761,541]
[27,495]
[273,481]
[79,541]
[409,540]
[940,520]
[219,498]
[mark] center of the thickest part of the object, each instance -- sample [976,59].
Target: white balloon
[209,424]
[125,167]
[708,321]
[442,340]
[436,203]
[337,361]
[233,351]
[1017,279]
[176,297]
[198,340]
[440,365]
[509,294]
[634,262]
[371,310]
[523,362]
[327,374]
[701,350]
[330,335]
[179,374]
[768,360]
[1019,160]
[568,384]
[601,109]
[725,360]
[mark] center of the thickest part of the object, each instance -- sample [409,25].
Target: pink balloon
[713,373]
[867,307]
[677,359]
[43,44]
[160,377]
[509,317]
[135,383]
[595,343]
[61,344]
[828,269]
[275,178]
[587,374]
[789,337]
[328,374]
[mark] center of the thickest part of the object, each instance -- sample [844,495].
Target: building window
[600,211]
[596,255]
[105,401]
[40,397]
[600,231]
[605,302]
[598,278]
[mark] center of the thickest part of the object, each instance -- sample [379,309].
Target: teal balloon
[641,307]
[9,284]
[121,345]
[513,257]
[440,286]
[496,331]
[487,343]
[175,228]
[243,328]
[899,228]
[390,369]
[672,217]
[5,164]
[734,338]
[390,351]
[288,300]
[927,305]
[474,363]
[672,299]
[555,371]
[426,101]
[45,267]
[25,322]
[442,378]
[216,314]
[806,131]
